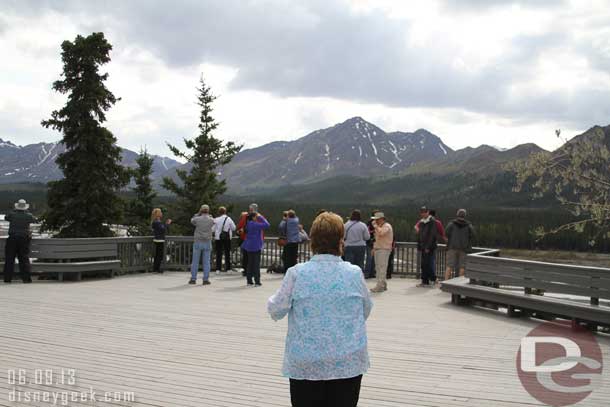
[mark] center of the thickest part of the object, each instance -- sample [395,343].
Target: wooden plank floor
[173,344]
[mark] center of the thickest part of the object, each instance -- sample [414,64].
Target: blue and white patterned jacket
[327,303]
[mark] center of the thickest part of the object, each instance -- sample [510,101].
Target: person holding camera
[223,233]
[160,229]
[384,237]
[253,245]
[18,242]
[202,245]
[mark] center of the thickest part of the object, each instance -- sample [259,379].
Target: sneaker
[250,284]
[206,282]
[192,281]
[258,285]
[377,289]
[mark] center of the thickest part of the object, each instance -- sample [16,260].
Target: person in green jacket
[18,242]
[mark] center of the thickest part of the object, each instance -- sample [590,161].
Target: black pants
[428,273]
[291,254]
[355,255]
[390,265]
[17,246]
[325,393]
[223,246]
[244,257]
[158,256]
[253,270]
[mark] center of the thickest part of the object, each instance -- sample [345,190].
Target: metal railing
[406,261]
[136,254]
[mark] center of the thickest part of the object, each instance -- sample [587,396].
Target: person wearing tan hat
[382,248]
[18,242]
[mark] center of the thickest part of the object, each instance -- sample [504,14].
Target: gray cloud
[478,5]
[321,48]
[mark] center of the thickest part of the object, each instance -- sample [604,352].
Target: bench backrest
[70,249]
[593,282]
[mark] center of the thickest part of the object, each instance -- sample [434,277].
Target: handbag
[224,234]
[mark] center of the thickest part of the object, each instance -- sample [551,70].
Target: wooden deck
[172,344]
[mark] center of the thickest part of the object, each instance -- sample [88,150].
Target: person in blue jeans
[253,245]
[202,244]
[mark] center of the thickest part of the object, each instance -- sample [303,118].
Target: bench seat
[559,307]
[71,256]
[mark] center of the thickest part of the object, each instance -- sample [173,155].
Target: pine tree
[139,208]
[86,200]
[205,153]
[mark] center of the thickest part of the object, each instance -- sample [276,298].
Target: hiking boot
[206,282]
[378,289]
[257,285]
[191,281]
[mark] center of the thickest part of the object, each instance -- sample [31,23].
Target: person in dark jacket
[427,234]
[460,235]
[369,267]
[159,229]
[18,242]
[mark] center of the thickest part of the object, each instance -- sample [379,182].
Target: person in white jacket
[223,233]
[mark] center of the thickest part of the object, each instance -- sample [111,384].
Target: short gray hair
[461,213]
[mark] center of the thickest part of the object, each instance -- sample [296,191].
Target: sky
[473,72]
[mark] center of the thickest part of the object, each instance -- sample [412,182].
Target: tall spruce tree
[205,153]
[140,207]
[86,200]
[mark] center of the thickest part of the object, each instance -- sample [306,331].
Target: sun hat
[378,215]
[22,205]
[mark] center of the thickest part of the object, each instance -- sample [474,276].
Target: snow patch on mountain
[442,148]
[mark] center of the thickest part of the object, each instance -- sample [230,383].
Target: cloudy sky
[473,72]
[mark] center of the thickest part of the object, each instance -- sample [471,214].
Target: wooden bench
[522,287]
[71,256]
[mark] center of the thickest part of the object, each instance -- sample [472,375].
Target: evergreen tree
[205,153]
[85,201]
[139,208]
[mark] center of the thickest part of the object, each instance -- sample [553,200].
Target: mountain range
[353,161]
[36,162]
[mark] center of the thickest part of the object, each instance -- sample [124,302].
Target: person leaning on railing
[327,303]
[160,230]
